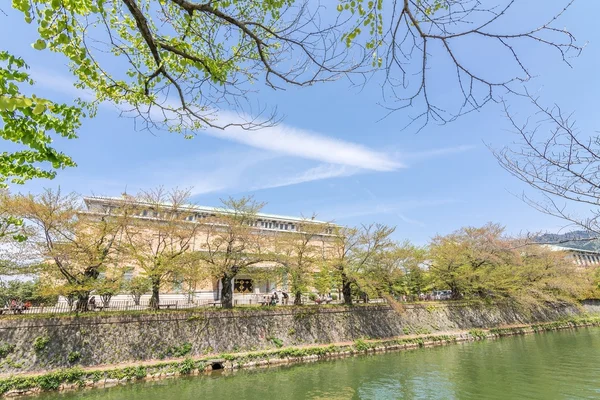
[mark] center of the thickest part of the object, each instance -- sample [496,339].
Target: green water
[559,365]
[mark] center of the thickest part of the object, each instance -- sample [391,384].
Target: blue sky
[333,155]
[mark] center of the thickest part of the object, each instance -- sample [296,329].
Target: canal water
[557,365]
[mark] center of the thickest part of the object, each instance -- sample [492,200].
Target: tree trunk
[70,301]
[90,274]
[455,292]
[82,301]
[346,289]
[136,299]
[155,298]
[106,299]
[298,299]
[226,292]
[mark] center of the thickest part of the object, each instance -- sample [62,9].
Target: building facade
[580,257]
[245,287]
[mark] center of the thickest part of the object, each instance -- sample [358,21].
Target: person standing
[284,298]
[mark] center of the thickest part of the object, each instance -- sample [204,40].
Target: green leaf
[39,44]
[39,108]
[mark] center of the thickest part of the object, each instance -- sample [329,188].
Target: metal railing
[250,300]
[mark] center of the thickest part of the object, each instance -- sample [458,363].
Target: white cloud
[410,220]
[225,170]
[284,139]
[58,83]
[320,172]
[432,153]
[336,157]
[281,138]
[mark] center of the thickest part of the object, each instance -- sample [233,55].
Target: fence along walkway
[129,305]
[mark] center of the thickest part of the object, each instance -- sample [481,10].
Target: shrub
[361,345]
[12,363]
[6,349]
[180,351]
[187,366]
[49,382]
[334,297]
[312,297]
[74,356]
[97,375]
[478,334]
[276,341]
[40,343]
[140,372]
[53,380]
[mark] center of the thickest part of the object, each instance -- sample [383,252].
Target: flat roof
[193,207]
[566,248]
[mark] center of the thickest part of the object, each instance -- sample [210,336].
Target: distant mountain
[584,240]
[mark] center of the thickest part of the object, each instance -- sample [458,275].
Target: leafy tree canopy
[29,122]
[179,62]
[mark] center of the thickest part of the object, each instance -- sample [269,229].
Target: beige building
[245,288]
[580,257]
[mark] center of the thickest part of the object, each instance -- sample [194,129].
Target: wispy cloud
[285,139]
[410,221]
[433,153]
[226,170]
[336,158]
[281,138]
[320,172]
[57,82]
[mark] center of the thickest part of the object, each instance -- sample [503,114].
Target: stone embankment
[64,352]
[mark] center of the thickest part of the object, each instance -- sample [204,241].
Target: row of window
[284,226]
[199,216]
[587,259]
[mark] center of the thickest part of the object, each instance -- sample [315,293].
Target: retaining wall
[39,344]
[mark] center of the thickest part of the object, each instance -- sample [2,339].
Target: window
[145,213]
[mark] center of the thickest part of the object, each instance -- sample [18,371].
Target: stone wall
[38,344]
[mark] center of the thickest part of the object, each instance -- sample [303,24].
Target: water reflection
[560,365]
